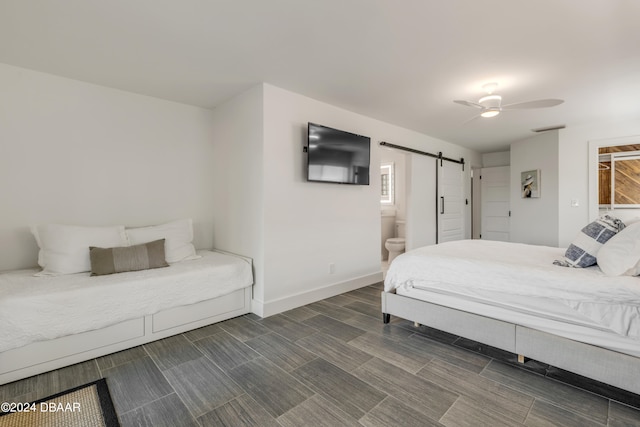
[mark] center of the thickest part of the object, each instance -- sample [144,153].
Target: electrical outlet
[332,268]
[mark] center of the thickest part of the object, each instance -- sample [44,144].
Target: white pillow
[34,231]
[64,249]
[621,254]
[177,234]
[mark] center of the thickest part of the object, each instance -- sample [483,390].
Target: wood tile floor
[330,363]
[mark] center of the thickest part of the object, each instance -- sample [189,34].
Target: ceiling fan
[491,104]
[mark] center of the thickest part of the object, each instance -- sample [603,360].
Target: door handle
[441,204]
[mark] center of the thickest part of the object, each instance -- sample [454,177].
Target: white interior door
[495,211]
[451,201]
[476,203]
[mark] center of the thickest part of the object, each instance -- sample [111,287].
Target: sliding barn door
[451,201]
[421,194]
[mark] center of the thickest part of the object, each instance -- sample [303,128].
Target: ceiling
[402,62]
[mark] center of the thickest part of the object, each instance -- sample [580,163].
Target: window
[387,184]
[619,177]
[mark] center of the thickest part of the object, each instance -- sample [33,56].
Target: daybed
[512,297]
[49,320]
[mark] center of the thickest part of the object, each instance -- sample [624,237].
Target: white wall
[237,188]
[77,153]
[576,182]
[499,158]
[575,173]
[536,220]
[309,225]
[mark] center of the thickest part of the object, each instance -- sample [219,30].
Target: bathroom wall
[398,158]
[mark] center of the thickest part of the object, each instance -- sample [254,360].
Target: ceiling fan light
[490,101]
[490,113]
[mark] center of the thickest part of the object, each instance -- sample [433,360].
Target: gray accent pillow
[583,251]
[127,258]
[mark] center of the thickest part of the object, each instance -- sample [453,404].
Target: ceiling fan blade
[470,120]
[540,103]
[468,103]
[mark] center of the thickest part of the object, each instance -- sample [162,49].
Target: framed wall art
[530,184]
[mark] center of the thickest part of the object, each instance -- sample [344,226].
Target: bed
[53,321]
[511,296]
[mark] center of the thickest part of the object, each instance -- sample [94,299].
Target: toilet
[395,245]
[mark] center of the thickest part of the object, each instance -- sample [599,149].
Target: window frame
[612,158]
[388,169]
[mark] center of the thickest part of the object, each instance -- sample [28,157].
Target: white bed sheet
[522,279]
[41,308]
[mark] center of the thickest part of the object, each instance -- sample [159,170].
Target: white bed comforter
[478,268]
[41,308]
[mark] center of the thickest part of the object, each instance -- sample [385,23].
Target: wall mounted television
[337,156]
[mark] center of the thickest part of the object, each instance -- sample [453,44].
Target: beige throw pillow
[127,258]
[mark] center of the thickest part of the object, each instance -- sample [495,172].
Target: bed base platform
[607,366]
[44,356]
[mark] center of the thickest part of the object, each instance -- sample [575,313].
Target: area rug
[88,405]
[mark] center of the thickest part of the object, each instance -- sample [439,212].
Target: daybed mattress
[519,284]
[41,308]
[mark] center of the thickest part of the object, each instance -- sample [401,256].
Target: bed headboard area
[25,250]
[81,154]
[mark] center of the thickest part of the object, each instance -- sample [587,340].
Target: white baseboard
[257,307]
[269,308]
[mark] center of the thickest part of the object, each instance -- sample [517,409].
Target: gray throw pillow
[583,251]
[127,258]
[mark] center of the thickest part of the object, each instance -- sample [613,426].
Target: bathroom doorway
[423,200]
[392,203]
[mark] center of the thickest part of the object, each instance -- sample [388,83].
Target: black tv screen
[337,156]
